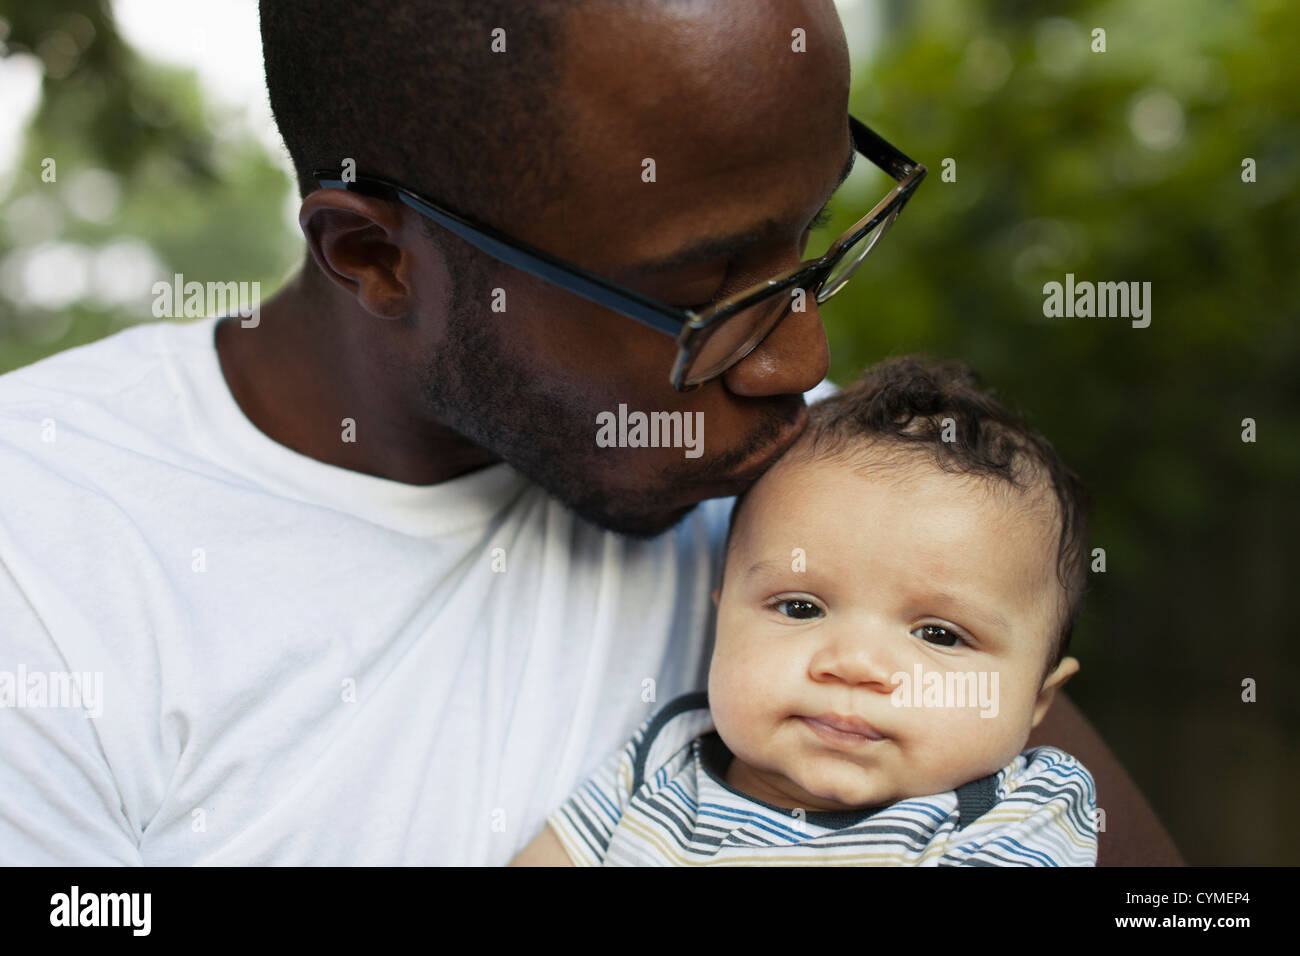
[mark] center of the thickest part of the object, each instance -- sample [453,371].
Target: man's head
[916,526]
[546,141]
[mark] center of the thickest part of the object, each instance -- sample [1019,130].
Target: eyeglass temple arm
[524,257]
[898,164]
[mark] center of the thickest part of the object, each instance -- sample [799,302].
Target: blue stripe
[685,797]
[1016,847]
[602,802]
[753,819]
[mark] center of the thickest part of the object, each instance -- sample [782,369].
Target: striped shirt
[662,801]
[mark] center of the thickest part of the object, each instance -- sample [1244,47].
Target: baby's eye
[798,609]
[934,634]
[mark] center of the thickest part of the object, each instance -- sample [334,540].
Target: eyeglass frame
[689,327]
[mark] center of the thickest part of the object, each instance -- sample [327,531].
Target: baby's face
[838,581]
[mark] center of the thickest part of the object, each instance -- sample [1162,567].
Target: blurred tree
[143,187]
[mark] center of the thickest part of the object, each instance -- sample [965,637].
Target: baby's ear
[1068,667]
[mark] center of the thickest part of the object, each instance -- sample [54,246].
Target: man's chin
[631,524]
[645,512]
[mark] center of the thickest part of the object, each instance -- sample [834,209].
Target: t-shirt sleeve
[1047,818]
[59,802]
[585,823]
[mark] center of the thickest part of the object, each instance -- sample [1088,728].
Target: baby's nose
[858,660]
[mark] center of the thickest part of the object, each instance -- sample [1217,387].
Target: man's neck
[307,368]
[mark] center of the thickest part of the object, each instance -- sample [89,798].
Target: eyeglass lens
[848,263]
[740,334]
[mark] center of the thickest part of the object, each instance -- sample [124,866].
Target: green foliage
[208,207]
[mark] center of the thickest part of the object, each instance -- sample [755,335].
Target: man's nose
[858,656]
[792,359]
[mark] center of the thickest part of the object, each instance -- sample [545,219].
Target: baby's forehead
[1013,528]
[898,464]
[1022,501]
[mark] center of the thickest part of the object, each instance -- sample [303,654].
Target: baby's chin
[851,798]
[838,790]
[838,786]
[831,793]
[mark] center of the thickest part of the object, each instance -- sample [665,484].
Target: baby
[897,599]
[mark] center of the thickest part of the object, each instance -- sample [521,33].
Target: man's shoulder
[92,364]
[119,386]
[94,432]
[95,375]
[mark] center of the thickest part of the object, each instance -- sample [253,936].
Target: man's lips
[844,730]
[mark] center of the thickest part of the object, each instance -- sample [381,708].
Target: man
[358,581]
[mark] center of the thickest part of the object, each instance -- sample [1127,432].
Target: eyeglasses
[709,340]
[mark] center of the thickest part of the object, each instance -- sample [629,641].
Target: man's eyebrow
[706,250]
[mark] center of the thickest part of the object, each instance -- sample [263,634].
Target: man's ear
[362,245]
[1068,667]
[715,597]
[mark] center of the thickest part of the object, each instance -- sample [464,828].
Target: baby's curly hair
[915,408]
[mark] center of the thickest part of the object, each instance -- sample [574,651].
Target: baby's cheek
[726,688]
[1006,728]
[954,747]
[999,740]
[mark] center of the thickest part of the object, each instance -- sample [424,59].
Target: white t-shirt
[297,663]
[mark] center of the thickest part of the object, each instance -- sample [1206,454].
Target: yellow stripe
[1059,818]
[571,843]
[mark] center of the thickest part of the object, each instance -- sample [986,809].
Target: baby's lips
[849,724]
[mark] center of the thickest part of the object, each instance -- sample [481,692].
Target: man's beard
[480,389]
